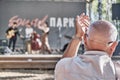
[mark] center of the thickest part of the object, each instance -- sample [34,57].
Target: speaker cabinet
[116,11]
[117,50]
[3,42]
[3,45]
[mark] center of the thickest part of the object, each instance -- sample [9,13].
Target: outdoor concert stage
[29,61]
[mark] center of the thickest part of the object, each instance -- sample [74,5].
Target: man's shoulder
[63,64]
[64,60]
[67,61]
[117,67]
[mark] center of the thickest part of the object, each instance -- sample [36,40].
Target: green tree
[106,9]
[118,1]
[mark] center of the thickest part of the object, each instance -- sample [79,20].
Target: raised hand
[81,24]
[42,25]
[43,20]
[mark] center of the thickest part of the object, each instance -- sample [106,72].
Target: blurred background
[61,17]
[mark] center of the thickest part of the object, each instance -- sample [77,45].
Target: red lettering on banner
[23,22]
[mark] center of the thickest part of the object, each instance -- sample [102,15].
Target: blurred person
[11,33]
[95,64]
[36,42]
[44,37]
[28,35]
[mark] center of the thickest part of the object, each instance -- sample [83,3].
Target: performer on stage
[11,34]
[28,35]
[36,42]
[44,38]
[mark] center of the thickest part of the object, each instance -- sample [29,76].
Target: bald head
[103,31]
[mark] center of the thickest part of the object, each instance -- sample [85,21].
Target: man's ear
[114,44]
[113,47]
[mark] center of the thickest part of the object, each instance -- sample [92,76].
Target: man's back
[100,42]
[94,65]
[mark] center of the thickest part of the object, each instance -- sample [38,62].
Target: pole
[100,9]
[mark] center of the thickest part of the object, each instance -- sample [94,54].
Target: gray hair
[103,31]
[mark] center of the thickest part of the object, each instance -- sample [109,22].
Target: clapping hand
[81,25]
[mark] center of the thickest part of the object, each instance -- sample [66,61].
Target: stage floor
[40,61]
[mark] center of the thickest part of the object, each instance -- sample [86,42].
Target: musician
[28,35]
[36,42]
[44,37]
[11,34]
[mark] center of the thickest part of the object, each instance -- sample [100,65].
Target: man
[44,37]
[28,35]
[11,34]
[36,42]
[95,64]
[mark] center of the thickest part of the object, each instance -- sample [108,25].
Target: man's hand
[43,20]
[82,21]
[81,24]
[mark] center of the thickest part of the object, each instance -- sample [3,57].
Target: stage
[29,61]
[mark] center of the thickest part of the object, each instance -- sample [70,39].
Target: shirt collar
[101,53]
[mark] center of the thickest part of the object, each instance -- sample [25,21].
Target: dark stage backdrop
[61,17]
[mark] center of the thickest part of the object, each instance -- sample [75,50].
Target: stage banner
[61,17]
